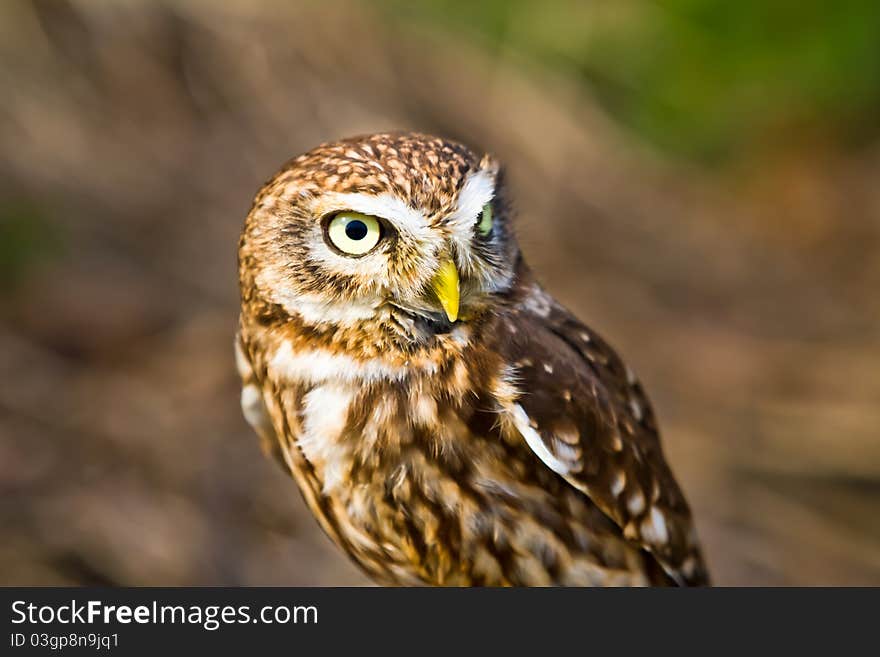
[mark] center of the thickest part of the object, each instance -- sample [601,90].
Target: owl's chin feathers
[421,324]
[435,325]
[410,333]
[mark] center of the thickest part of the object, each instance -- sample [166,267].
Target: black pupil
[356,230]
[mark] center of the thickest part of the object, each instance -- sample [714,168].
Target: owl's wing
[586,417]
[253,406]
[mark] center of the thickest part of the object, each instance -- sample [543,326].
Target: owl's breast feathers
[526,454]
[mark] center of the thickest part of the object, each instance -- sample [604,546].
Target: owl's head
[405,233]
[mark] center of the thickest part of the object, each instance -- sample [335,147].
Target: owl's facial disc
[355,234]
[426,269]
[407,233]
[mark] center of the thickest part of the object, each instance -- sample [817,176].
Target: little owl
[446,420]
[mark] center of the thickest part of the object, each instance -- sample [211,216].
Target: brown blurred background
[698,179]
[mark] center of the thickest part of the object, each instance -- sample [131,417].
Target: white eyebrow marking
[478,189]
[387,206]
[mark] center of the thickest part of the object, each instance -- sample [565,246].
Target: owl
[445,419]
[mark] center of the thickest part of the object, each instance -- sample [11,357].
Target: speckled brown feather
[424,170]
[404,439]
[592,413]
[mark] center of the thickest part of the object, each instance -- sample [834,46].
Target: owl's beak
[445,286]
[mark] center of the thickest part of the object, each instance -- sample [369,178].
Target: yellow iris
[354,233]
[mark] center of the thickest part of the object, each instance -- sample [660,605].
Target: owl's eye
[354,233]
[484,226]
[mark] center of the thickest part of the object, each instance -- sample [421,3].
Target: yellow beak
[445,286]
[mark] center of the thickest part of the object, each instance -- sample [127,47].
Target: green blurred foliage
[708,79]
[26,240]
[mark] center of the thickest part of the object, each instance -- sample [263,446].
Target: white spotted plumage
[479,436]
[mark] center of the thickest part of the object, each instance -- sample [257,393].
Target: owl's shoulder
[583,412]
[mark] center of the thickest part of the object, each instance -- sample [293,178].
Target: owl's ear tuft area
[490,164]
